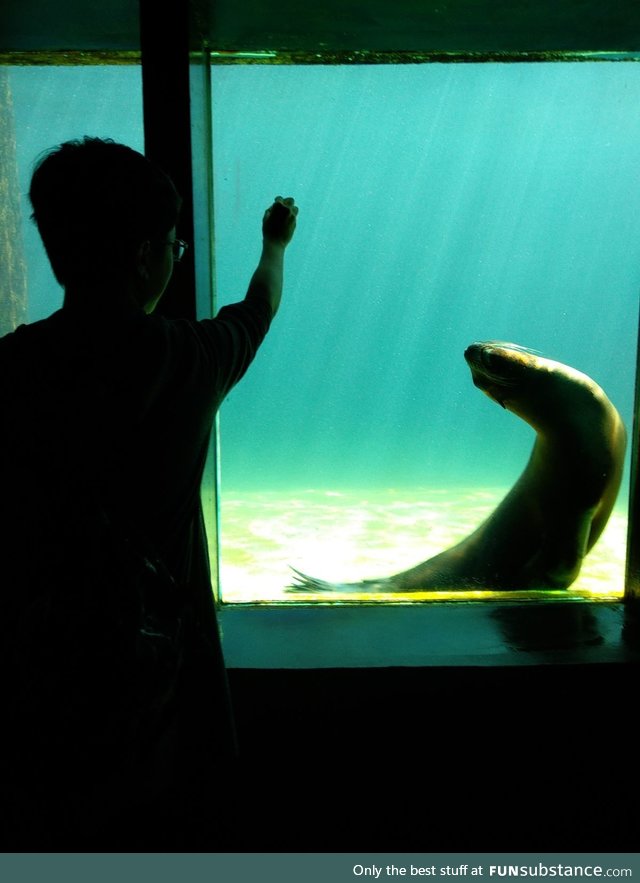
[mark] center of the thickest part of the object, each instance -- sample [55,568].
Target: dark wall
[484,759]
[335,25]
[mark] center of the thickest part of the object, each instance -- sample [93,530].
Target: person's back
[108,408]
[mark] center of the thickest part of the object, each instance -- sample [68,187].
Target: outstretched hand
[279,221]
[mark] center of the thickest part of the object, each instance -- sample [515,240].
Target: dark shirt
[121,404]
[126,401]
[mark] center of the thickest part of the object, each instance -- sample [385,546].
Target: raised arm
[278,225]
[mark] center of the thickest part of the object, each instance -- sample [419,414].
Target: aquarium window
[440,204]
[41,106]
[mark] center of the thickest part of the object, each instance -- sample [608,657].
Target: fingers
[289,202]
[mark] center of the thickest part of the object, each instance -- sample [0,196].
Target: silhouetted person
[105,400]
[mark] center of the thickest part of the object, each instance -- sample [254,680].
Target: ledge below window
[435,634]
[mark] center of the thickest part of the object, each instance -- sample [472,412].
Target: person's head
[106,216]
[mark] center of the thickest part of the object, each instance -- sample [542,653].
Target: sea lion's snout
[472,354]
[494,368]
[485,357]
[498,362]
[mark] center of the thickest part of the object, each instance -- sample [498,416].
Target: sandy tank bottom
[350,535]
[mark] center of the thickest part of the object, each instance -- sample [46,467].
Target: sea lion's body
[539,534]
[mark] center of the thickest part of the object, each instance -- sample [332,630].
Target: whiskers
[508,345]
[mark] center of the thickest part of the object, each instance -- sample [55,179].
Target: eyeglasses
[178,247]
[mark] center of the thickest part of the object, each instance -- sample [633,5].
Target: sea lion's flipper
[558,561]
[305,583]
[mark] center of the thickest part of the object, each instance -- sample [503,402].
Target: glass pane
[439,205]
[43,106]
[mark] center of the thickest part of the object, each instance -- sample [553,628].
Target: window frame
[313,634]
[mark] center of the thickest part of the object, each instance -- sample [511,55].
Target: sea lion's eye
[494,361]
[501,366]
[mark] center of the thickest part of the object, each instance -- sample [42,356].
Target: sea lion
[539,533]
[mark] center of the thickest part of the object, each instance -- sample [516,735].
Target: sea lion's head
[499,369]
[537,389]
[580,431]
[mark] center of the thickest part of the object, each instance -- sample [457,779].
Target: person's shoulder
[251,309]
[183,329]
[236,330]
[241,311]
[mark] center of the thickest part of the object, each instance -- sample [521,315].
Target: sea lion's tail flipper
[305,583]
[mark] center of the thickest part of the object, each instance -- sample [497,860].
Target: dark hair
[94,202]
